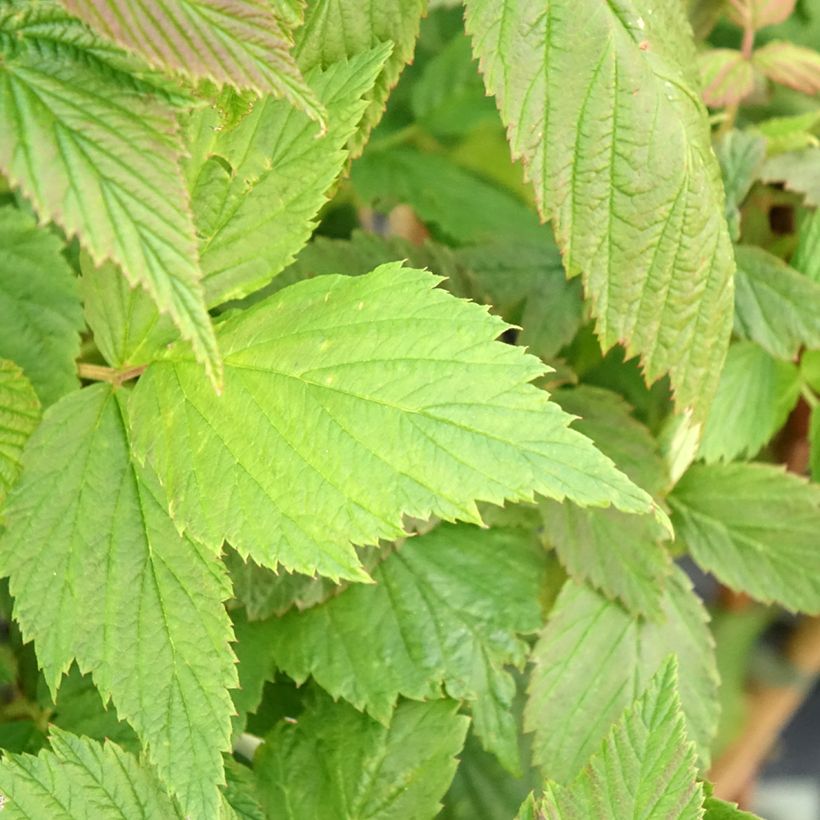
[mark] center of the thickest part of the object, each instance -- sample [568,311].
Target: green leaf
[340,29]
[254,669]
[101,159]
[374,396]
[814,445]
[755,527]
[240,42]
[727,77]
[336,762]
[241,792]
[593,660]
[19,417]
[128,329]
[463,207]
[757,14]
[261,184]
[741,155]
[775,305]
[99,573]
[753,401]
[716,809]
[798,171]
[644,768]
[446,609]
[40,312]
[619,554]
[790,65]
[789,133]
[79,779]
[806,257]
[618,148]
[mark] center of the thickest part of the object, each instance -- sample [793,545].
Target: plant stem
[100,373]
[809,396]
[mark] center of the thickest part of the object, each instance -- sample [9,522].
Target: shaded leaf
[741,155]
[19,417]
[799,171]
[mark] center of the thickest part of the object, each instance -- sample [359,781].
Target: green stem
[809,396]
[100,373]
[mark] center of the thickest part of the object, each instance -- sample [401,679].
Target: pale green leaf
[754,398]
[79,779]
[336,762]
[618,148]
[789,133]
[257,194]
[446,610]
[741,155]
[99,573]
[798,171]
[19,417]
[757,14]
[40,312]
[101,159]
[806,257]
[592,661]
[644,769]
[775,305]
[340,29]
[754,526]
[790,64]
[619,554]
[240,42]
[374,396]
[726,76]
[716,809]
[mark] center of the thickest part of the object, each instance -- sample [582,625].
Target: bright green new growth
[99,574]
[404,418]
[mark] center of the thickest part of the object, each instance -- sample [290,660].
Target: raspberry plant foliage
[366,371]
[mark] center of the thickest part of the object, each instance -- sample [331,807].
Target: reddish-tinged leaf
[791,65]
[727,77]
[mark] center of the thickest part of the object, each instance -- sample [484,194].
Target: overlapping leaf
[446,610]
[593,660]
[340,29]
[261,184]
[806,257]
[19,416]
[99,156]
[99,573]
[644,768]
[618,149]
[79,779]
[40,312]
[798,171]
[348,402]
[240,42]
[755,527]
[337,762]
[726,76]
[741,155]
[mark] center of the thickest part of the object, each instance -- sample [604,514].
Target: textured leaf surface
[99,573]
[618,148]
[100,158]
[806,257]
[726,76]
[340,29]
[775,305]
[337,762]
[789,64]
[741,155]
[79,779]
[755,527]
[754,398]
[446,609]
[349,401]
[255,214]
[240,42]
[799,171]
[19,416]
[645,767]
[593,660]
[40,312]
[619,554]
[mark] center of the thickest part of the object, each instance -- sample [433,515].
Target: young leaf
[789,133]
[790,65]
[446,609]
[40,312]
[757,14]
[340,29]
[348,402]
[80,779]
[619,554]
[617,146]
[593,659]
[255,214]
[755,527]
[775,306]
[19,417]
[99,573]
[101,159]
[754,399]
[240,42]
[799,171]
[726,77]
[336,762]
[644,768]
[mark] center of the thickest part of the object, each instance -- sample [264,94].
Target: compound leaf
[80,779]
[348,402]
[337,762]
[99,573]
[618,148]
[755,527]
